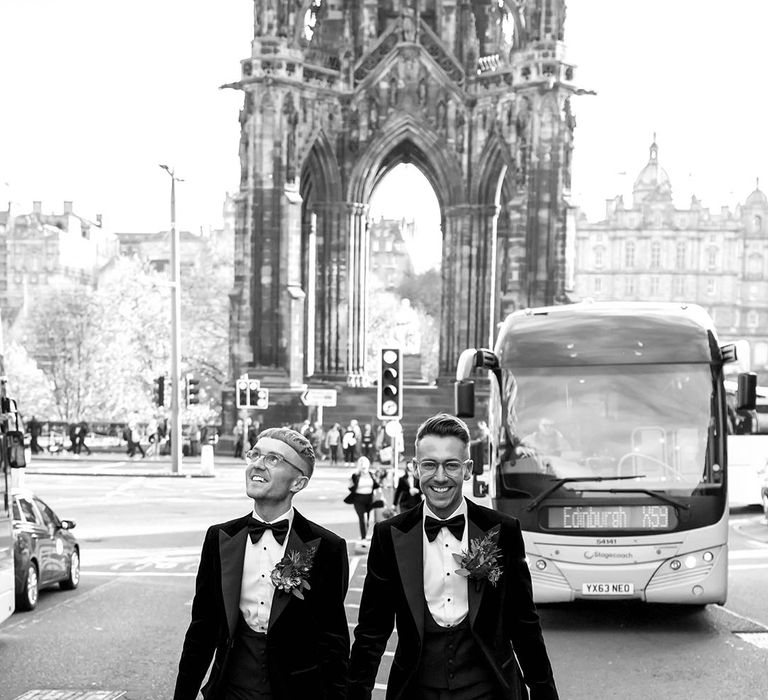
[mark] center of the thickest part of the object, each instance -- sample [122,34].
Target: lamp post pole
[175,427]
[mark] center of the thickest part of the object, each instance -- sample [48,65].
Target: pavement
[120,464]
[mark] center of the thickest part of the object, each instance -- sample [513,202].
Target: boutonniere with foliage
[291,573]
[481,561]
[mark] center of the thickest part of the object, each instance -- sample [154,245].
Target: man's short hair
[296,441]
[444,425]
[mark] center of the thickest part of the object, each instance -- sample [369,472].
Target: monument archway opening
[404,297]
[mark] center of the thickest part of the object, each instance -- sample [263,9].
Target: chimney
[37,207]
[99,220]
[67,207]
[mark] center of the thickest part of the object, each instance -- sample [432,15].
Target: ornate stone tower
[337,93]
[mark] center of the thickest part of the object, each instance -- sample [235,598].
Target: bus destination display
[650,517]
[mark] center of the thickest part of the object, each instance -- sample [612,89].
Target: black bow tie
[455,526]
[256,529]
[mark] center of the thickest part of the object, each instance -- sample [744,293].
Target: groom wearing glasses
[269,597]
[459,638]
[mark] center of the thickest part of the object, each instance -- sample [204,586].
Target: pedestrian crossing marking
[72,695]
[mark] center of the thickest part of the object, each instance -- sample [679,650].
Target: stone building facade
[475,93]
[390,258]
[57,250]
[654,251]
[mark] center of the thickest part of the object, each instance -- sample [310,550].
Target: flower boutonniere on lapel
[291,573]
[481,560]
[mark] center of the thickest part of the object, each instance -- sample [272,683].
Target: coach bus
[608,442]
[747,448]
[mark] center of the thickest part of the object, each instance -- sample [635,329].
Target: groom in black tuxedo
[270,636]
[458,638]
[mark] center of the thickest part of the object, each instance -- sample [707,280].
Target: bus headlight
[675,564]
[541,564]
[707,556]
[690,561]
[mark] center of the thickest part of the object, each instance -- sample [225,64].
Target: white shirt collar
[288,515]
[461,509]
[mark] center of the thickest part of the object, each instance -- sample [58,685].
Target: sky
[95,94]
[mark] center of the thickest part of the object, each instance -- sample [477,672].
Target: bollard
[206,460]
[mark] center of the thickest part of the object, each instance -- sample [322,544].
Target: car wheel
[27,598]
[73,577]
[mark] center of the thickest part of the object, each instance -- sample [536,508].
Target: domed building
[656,251]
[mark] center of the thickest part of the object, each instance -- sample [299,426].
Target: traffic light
[261,397]
[390,390]
[191,390]
[159,391]
[242,395]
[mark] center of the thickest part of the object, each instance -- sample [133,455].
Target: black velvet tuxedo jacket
[502,618]
[307,640]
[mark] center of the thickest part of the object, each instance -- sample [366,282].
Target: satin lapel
[232,555]
[410,561]
[280,599]
[477,589]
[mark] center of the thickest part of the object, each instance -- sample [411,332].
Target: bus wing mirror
[464,398]
[746,393]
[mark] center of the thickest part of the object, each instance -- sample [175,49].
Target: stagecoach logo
[601,554]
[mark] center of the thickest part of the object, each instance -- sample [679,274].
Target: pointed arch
[407,141]
[495,162]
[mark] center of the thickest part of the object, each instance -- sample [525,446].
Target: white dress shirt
[256,589]
[446,592]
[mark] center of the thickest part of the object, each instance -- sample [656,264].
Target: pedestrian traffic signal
[191,390]
[159,391]
[390,390]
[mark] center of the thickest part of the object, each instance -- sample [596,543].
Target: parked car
[764,497]
[45,551]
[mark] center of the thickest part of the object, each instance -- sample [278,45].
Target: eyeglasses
[271,459]
[452,466]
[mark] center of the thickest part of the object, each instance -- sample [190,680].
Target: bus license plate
[607,588]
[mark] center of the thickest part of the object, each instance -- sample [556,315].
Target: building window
[711,287]
[629,286]
[655,255]
[629,254]
[375,246]
[757,224]
[711,258]
[598,252]
[680,286]
[752,319]
[655,286]
[597,285]
[755,265]
[680,255]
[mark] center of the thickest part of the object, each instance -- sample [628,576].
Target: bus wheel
[765,505]
[27,599]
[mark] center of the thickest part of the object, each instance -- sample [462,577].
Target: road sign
[319,397]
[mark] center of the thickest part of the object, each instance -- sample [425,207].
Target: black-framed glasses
[451,466]
[271,459]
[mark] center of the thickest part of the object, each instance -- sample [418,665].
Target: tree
[423,290]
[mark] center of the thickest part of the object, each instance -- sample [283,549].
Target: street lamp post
[175,427]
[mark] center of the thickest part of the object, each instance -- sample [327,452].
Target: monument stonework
[475,93]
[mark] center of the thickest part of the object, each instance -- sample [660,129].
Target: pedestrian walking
[134,441]
[362,486]
[72,433]
[349,444]
[368,443]
[269,597]
[238,434]
[407,493]
[82,433]
[35,430]
[457,638]
[153,439]
[333,442]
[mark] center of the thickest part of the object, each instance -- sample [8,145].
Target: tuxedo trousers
[247,676]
